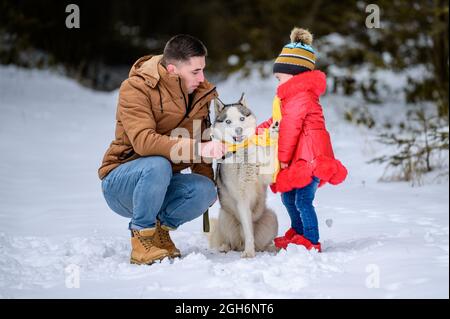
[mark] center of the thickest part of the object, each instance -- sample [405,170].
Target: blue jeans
[145,190]
[299,204]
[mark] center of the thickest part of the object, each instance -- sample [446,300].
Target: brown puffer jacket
[151,104]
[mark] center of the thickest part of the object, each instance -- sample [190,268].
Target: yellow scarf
[263,139]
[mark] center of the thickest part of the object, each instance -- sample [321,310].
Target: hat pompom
[301,35]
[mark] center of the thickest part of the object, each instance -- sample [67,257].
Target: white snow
[58,238]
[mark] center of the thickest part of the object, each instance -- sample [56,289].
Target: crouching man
[140,178]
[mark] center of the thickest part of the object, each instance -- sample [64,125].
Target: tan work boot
[163,240]
[144,251]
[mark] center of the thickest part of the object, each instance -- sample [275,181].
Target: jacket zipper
[207,93]
[185,103]
[188,110]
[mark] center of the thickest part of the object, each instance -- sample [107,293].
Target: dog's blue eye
[228,121]
[242,119]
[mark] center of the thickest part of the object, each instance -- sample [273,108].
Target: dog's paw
[224,248]
[248,254]
[271,248]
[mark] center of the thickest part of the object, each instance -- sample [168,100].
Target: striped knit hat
[297,56]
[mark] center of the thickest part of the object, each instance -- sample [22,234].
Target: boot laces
[165,237]
[146,241]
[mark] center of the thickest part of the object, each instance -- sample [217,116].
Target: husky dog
[245,223]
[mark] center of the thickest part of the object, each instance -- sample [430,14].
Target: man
[140,172]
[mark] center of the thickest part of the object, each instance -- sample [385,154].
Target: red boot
[301,240]
[283,241]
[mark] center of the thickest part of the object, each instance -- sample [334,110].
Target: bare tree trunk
[440,54]
[311,16]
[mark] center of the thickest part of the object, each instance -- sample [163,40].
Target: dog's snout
[239,130]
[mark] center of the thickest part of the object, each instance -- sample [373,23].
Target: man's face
[191,71]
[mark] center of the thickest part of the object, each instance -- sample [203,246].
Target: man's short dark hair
[182,47]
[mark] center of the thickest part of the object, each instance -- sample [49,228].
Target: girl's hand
[274,129]
[284,165]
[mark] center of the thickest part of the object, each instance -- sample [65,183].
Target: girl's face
[282,77]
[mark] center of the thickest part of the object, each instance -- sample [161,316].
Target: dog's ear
[242,100]
[218,106]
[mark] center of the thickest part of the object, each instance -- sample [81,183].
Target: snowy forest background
[386,108]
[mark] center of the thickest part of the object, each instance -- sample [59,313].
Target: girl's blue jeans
[299,204]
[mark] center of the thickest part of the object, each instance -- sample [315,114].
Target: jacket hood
[147,68]
[313,81]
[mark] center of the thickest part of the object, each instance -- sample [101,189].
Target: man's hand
[212,149]
[284,165]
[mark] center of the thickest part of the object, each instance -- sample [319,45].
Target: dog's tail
[214,234]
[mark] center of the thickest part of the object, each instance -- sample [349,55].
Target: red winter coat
[304,141]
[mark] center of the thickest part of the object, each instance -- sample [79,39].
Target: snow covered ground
[58,238]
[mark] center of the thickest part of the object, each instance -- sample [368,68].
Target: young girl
[305,153]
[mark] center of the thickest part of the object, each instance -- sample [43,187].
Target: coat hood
[147,68]
[312,81]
